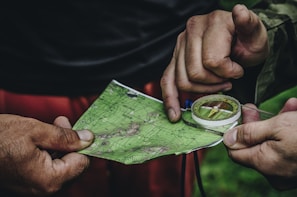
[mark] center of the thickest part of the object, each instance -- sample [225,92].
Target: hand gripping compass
[215,113]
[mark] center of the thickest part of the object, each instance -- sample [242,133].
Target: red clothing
[157,178]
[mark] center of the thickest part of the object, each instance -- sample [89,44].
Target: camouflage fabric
[229,4]
[279,71]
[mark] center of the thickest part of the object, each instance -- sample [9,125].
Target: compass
[216,110]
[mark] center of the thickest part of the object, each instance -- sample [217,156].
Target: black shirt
[76,46]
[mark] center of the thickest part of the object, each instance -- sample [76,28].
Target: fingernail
[171,114]
[85,135]
[230,137]
[227,88]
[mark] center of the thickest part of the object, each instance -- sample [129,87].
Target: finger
[247,23]
[260,157]
[193,60]
[249,113]
[216,52]
[251,44]
[195,52]
[170,92]
[62,121]
[70,166]
[250,134]
[244,156]
[55,173]
[57,138]
[290,105]
[182,73]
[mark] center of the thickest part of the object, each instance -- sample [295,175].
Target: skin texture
[268,146]
[213,49]
[27,148]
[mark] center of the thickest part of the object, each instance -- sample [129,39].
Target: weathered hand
[213,49]
[268,146]
[26,167]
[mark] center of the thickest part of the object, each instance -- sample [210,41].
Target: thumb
[290,105]
[56,138]
[246,22]
[251,46]
[249,134]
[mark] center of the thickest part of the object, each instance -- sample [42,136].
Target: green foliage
[222,177]
[229,4]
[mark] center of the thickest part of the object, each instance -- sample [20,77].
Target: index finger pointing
[170,92]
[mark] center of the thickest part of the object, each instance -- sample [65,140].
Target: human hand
[213,48]
[268,146]
[26,166]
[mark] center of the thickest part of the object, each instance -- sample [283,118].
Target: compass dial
[216,110]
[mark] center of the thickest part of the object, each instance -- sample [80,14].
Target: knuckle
[216,17]
[28,123]
[256,160]
[245,135]
[65,137]
[164,81]
[191,23]
[180,37]
[183,84]
[210,62]
[197,77]
[179,40]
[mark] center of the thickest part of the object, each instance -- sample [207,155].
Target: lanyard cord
[188,104]
[198,175]
[197,171]
[183,174]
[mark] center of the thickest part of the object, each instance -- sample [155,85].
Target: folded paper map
[131,127]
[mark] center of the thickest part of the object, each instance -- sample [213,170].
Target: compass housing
[216,110]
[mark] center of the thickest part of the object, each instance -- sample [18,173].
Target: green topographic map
[131,128]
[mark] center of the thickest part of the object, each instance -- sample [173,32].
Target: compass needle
[213,113]
[216,110]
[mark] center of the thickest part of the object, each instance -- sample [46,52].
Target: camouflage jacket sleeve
[279,71]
